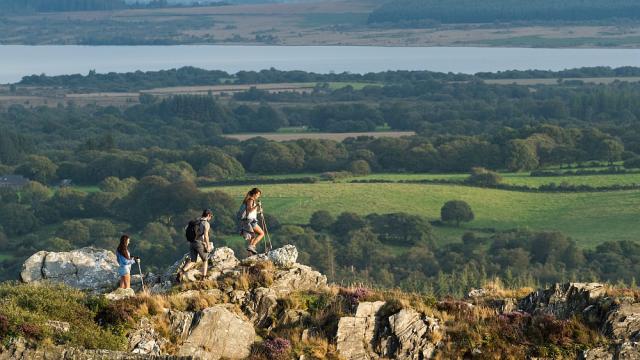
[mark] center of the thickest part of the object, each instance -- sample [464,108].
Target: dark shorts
[196,249]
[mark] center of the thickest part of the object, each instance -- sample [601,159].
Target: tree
[38,168]
[456,211]
[346,222]
[34,193]
[17,219]
[360,168]
[521,156]
[321,220]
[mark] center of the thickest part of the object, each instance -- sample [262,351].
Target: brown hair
[251,193]
[122,248]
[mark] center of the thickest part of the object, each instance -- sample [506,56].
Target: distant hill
[29,6]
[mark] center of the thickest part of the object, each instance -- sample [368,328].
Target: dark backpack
[192,230]
[240,216]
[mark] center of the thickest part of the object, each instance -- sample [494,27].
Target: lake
[18,60]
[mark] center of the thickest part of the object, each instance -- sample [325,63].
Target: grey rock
[356,335]
[297,278]
[563,300]
[623,322]
[284,257]
[146,340]
[120,294]
[32,267]
[260,306]
[18,350]
[414,334]
[86,269]
[180,323]
[218,333]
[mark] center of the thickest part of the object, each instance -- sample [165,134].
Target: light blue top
[125,264]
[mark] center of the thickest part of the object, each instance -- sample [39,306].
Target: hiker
[249,227]
[200,245]
[125,260]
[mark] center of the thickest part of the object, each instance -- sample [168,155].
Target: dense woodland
[147,160]
[469,11]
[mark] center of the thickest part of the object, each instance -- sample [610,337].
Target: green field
[520,179]
[590,218]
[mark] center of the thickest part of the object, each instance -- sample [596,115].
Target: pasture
[590,218]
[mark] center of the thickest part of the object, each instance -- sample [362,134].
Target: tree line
[191,76]
[469,11]
[29,6]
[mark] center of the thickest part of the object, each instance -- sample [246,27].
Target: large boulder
[120,294]
[297,278]
[222,261]
[623,322]
[218,333]
[145,339]
[356,335]
[284,257]
[86,269]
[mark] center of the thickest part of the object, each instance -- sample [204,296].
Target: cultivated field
[590,218]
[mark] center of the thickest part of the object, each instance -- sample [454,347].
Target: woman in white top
[252,205]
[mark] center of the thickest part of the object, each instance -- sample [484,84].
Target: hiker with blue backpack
[248,220]
[197,234]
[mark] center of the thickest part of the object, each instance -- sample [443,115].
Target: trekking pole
[141,276]
[267,243]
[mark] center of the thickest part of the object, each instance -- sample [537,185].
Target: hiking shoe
[252,249]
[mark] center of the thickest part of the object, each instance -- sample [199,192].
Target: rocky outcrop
[218,333]
[146,340]
[355,337]
[413,335]
[617,318]
[19,350]
[563,300]
[86,269]
[406,335]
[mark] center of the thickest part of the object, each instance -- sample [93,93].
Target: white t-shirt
[253,215]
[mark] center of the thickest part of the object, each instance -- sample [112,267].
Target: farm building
[13,181]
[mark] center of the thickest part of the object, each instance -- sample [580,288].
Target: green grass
[518,179]
[590,218]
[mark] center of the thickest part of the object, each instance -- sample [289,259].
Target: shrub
[277,349]
[483,177]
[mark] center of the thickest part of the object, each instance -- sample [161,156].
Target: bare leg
[122,283]
[188,266]
[260,233]
[127,281]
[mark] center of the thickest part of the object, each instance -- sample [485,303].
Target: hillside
[270,307]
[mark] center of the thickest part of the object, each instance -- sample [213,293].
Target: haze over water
[18,60]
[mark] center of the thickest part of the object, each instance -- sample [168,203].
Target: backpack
[192,230]
[240,216]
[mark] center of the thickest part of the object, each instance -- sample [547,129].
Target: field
[553,81]
[522,179]
[330,136]
[590,218]
[303,23]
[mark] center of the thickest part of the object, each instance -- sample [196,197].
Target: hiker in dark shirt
[201,246]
